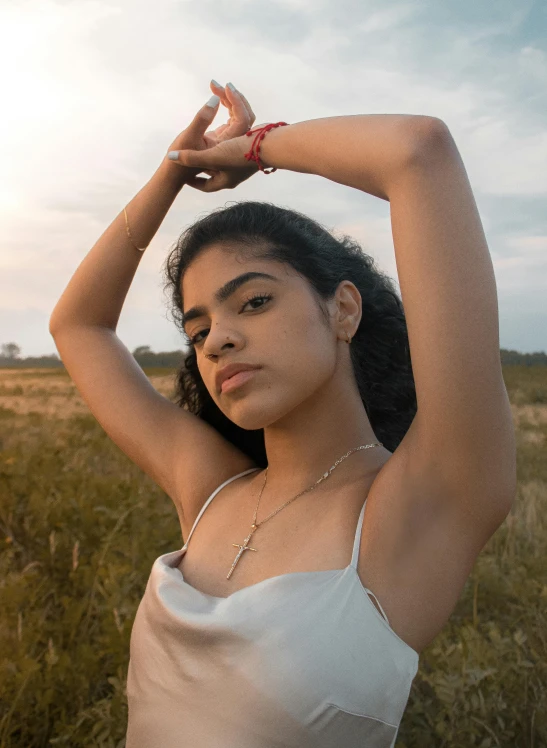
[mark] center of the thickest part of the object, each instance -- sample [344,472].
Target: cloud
[97,91]
[525,267]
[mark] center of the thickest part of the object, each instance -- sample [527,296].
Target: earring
[348,337]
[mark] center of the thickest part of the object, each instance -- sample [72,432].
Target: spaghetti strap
[370,592]
[357,541]
[355,556]
[212,496]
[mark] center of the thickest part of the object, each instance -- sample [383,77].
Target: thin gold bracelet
[129,234]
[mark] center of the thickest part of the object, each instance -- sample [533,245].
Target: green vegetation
[10,358]
[80,526]
[526,385]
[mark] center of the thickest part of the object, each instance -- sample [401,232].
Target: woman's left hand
[195,138]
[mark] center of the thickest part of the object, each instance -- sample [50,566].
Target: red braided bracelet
[256,142]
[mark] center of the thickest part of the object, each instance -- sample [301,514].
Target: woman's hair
[379,349]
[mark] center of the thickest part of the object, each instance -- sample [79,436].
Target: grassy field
[80,526]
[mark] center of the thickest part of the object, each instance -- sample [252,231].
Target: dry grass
[55,396]
[82,526]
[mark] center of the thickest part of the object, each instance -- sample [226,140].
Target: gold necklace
[254,527]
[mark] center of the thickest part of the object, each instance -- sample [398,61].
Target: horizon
[186,351]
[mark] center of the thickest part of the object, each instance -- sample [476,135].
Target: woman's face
[286,335]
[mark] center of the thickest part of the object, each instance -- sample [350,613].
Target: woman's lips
[237,380]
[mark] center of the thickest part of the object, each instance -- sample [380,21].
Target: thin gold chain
[254,527]
[322,478]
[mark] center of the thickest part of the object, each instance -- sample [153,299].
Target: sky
[94,93]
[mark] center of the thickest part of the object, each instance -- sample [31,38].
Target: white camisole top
[302,660]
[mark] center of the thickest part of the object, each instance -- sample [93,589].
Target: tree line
[10,357]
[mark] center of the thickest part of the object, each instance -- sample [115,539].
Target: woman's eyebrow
[224,293]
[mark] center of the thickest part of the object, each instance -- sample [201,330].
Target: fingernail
[215,83]
[213,101]
[173,155]
[232,87]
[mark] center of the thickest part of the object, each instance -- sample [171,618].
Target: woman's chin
[252,416]
[247,419]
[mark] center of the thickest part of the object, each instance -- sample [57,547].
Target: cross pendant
[242,548]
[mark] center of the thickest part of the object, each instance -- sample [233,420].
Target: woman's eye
[256,298]
[196,339]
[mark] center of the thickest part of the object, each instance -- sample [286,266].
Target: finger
[197,183]
[245,103]
[252,115]
[221,180]
[206,185]
[241,118]
[204,116]
[217,89]
[210,172]
[187,157]
[219,130]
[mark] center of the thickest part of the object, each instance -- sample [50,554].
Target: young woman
[294,617]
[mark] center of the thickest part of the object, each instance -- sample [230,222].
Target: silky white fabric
[302,660]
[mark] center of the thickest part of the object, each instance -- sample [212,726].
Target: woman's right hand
[195,140]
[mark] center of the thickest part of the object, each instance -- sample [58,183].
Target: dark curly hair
[380,351]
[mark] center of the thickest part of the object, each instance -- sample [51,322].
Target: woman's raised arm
[365,151]
[464,425]
[182,453]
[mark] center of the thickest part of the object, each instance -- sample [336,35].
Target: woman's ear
[349,303]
